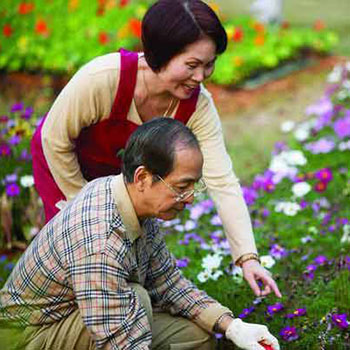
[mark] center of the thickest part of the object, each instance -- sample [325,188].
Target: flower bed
[300,211]
[60,36]
[301,216]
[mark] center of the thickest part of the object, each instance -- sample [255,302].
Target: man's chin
[169,215]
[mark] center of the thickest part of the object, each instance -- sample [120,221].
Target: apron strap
[127,82]
[187,107]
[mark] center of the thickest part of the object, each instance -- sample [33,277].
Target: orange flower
[73,5]
[319,25]
[135,26]
[238,35]
[25,8]
[259,27]
[103,38]
[237,61]
[123,3]
[7,30]
[259,40]
[41,27]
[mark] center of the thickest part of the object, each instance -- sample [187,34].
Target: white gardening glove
[248,335]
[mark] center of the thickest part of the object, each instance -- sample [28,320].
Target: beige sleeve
[223,185]
[86,99]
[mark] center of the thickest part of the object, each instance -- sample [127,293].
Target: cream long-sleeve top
[88,99]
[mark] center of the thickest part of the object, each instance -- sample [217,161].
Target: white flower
[287,126]
[291,209]
[301,134]
[313,230]
[27,181]
[346,235]
[190,225]
[237,274]
[295,157]
[288,208]
[306,239]
[211,262]
[335,75]
[300,189]
[214,276]
[267,261]
[203,276]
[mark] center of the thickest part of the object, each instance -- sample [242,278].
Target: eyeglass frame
[179,197]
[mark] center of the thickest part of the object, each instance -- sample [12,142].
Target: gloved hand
[248,335]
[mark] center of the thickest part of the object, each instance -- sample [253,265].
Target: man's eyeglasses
[199,187]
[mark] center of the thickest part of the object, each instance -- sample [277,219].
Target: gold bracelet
[246,257]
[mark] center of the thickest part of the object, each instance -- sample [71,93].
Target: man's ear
[142,178]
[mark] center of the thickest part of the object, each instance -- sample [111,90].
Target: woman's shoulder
[102,64]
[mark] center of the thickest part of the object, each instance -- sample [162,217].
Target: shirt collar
[125,208]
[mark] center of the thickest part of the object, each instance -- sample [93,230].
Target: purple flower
[323,120]
[323,145]
[250,195]
[25,156]
[11,178]
[321,260]
[279,147]
[16,107]
[215,220]
[289,333]
[342,127]
[14,140]
[12,190]
[181,263]
[218,335]
[323,106]
[5,150]
[3,258]
[27,113]
[340,320]
[9,266]
[246,312]
[325,175]
[265,213]
[278,252]
[297,313]
[272,309]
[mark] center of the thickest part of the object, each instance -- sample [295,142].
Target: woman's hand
[254,272]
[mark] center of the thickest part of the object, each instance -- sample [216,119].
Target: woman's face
[188,69]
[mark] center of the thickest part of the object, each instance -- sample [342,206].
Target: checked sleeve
[110,309]
[173,293]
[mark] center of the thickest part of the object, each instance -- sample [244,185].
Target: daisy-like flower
[27,181]
[267,261]
[289,333]
[300,189]
[340,320]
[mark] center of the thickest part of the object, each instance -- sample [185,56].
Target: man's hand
[253,272]
[250,336]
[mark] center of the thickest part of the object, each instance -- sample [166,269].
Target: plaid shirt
[86,256]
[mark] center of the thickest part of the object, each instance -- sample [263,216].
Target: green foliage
[61,36]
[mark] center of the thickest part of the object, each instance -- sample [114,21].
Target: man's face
[187,171]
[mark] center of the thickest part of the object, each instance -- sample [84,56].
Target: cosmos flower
[289,333]
[340,320]
[272,309]
[297,313]
[246,312]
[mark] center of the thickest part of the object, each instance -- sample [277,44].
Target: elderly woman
[86,129]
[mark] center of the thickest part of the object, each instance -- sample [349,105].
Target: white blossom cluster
[211,264]
[287,208]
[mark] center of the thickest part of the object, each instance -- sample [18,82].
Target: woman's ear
[142,178]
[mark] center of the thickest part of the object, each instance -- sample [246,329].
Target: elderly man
[99,275]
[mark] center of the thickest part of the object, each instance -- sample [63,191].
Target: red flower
[123,3]
[135,26]
[7,30]
[238,34]
[285,25]
[320,186]
[103,38]
[41,27]
[319,25]
[25,7]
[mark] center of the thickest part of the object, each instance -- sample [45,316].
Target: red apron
[98,145]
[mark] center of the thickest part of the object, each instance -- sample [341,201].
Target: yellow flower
[22,44]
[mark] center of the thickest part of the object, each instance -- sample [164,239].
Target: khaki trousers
[168,333]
